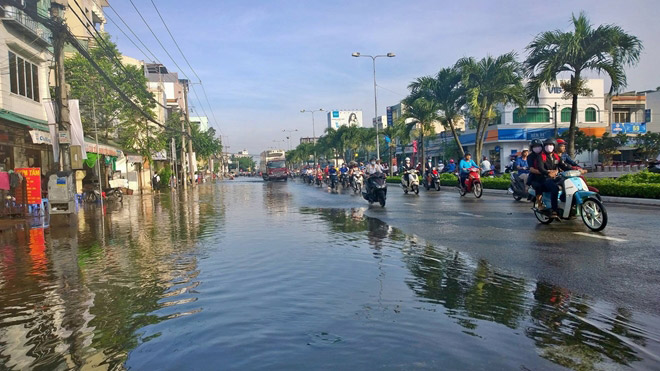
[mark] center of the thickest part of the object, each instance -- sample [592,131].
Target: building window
[532,115]
[590,115]
[622,116]
[566,115]
[23,77]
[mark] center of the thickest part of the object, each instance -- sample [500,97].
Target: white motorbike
[412,185]
[575,199]
[357,181]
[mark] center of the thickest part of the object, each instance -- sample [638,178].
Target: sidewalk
[606,199]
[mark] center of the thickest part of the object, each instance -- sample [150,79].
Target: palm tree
[423,113]
[445,89]
[490,82]
[605,49]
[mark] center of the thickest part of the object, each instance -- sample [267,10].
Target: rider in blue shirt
[344,169]
[332,170]
[464,167]
[451,167]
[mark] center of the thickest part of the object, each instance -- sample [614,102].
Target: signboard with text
[32,183]
[629,128]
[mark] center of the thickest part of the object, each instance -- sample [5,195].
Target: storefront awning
[24,120]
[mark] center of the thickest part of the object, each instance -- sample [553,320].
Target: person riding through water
[343,170]
[370,170]
[536,147]
[465,165]
[548,163]
[406,166]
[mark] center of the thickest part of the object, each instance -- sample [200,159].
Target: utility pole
[555,115]
[190,147]
[61,94]
[98,158]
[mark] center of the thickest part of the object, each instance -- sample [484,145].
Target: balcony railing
[19,17]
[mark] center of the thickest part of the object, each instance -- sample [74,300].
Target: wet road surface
[255,275]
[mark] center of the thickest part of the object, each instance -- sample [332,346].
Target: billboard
[337,118]
[629,128]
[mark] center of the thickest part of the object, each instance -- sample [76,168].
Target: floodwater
[242,275]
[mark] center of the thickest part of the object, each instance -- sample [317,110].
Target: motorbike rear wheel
[542,217]
[416,189]
[437,185]
[477,189]
[461,190]
[594,214]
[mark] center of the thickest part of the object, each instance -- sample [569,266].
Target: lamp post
[373,59]
[313,129]
[288,137]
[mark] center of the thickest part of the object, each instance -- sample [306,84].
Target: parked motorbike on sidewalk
[114,194]
[376,189]
[575,199]
[410,181]
[432,179]
[472,183]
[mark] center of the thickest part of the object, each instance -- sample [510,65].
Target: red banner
[414,143]
[32,182]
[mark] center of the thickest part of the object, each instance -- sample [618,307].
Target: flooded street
[249,275]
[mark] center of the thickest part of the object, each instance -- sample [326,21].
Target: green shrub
[165,174]
[394,179]
[641,177]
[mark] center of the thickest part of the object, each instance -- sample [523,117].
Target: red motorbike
[472,183]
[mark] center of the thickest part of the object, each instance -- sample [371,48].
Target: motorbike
[343,179]
[472,183]
[357,181]
[113,194]
[412,185]
[332,180]
[376,191]
[488,173]
[433,180]
[575,199]
[518,188]
[319,180]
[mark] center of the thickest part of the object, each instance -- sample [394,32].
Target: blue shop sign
[629,128]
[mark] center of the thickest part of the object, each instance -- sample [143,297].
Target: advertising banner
[41,137]
[32,183]
[344,118]
[628,128]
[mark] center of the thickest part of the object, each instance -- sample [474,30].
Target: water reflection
[76,294]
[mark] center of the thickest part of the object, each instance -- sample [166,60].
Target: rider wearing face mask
[548,163]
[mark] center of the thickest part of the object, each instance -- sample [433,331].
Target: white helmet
[407,159]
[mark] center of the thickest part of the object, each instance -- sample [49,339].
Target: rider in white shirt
[485,164]
[373,168]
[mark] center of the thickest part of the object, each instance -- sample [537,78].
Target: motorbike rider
[451,167]
[548,163]
[406,166]
[485,165]
[561,151]
[522,165]
[464,166]
[343,170]
[371,169]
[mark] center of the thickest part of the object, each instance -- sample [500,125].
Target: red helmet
[451,161]
[560,142]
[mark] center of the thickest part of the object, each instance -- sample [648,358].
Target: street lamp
[373,59]
[313,129]
[288,137]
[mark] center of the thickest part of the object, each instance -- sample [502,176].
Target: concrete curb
[607,199]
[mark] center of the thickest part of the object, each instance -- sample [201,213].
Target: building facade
[202,121]
[515,128]
[25,140]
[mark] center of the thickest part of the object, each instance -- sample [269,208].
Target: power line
[113,57]
[134,34]
[192,86]
[187,62]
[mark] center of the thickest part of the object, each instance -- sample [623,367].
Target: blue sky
[263,61]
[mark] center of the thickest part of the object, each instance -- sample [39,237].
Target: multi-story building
[92,10]
[25,140]
[243,153]
[202,121]
[652,113]
[514,127]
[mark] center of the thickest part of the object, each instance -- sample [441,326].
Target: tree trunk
[456,138]
[574,109]
[421,152]
[478,141]
[390,162]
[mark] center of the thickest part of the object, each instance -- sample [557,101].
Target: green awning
[24,120]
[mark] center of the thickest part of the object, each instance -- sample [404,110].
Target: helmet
[561,141]
[468,154]
[451,161]
[550,141]
[407,159]
[536,143]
